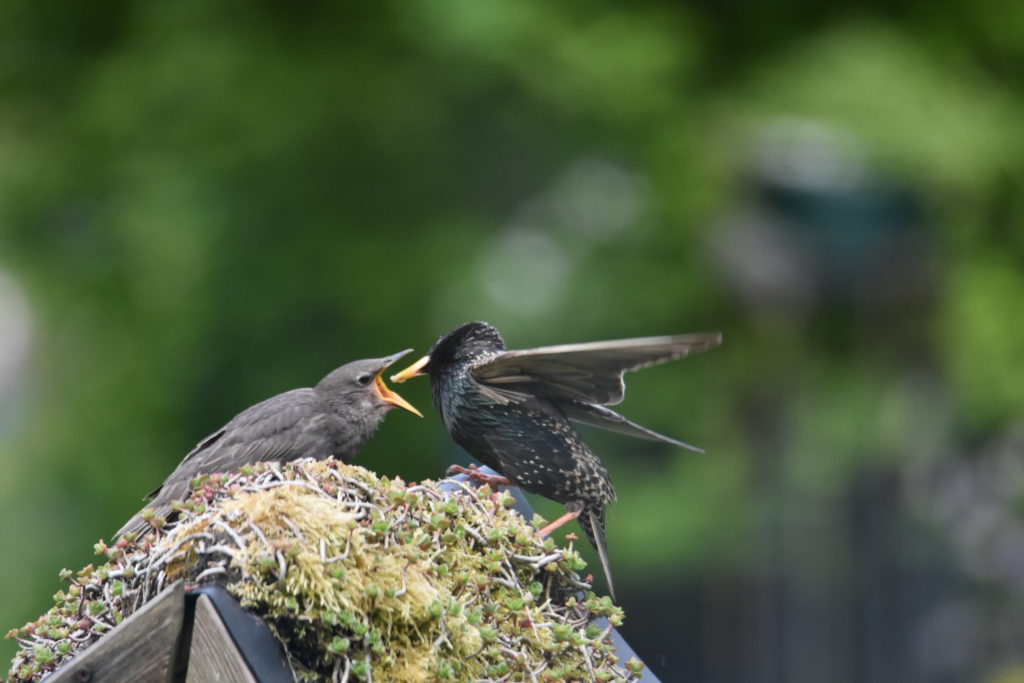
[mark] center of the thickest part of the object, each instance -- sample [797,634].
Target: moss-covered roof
[354,572]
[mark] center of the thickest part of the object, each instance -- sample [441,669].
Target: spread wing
[590,372]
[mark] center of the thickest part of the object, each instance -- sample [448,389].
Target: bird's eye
[364,379]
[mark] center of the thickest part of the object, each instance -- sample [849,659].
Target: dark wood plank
[142,648]
[214,657]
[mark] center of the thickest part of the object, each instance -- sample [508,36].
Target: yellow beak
[386,394]
[414,370]
[391,397]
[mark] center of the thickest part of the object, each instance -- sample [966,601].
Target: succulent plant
[355,574]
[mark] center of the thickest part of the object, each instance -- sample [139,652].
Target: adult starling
[336,417]
[511,410]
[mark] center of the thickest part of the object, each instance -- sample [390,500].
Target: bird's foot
[475,475]
[567,517]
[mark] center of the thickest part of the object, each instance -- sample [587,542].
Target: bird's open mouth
[414,370]
[385,393]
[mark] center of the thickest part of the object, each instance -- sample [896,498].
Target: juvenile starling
[336,417]
[511,410]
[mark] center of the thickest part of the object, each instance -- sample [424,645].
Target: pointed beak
[386,394]
[414,370]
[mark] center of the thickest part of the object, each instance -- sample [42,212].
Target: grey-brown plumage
[336,417]
[511,410]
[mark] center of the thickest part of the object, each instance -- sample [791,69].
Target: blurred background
[204,204]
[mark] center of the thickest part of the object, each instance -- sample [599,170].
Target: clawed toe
[478,477]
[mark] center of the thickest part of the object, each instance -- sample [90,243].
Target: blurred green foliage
[209,203]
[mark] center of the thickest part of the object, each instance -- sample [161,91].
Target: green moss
[353,572]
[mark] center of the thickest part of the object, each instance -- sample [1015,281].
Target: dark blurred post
[833,266]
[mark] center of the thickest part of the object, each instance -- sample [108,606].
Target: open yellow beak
[386,394]
[414,370]
[391,397]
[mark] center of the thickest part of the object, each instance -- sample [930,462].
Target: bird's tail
[592,521]
[140,526]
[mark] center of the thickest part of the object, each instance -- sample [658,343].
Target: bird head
[362,381]
[463,344]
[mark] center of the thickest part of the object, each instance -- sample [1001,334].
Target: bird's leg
[475,475]
[567,517]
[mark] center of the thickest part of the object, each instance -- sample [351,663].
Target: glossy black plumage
[511,410]
[336,417]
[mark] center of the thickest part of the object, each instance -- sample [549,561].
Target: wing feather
[590,372]
[249,437]
[608,419]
